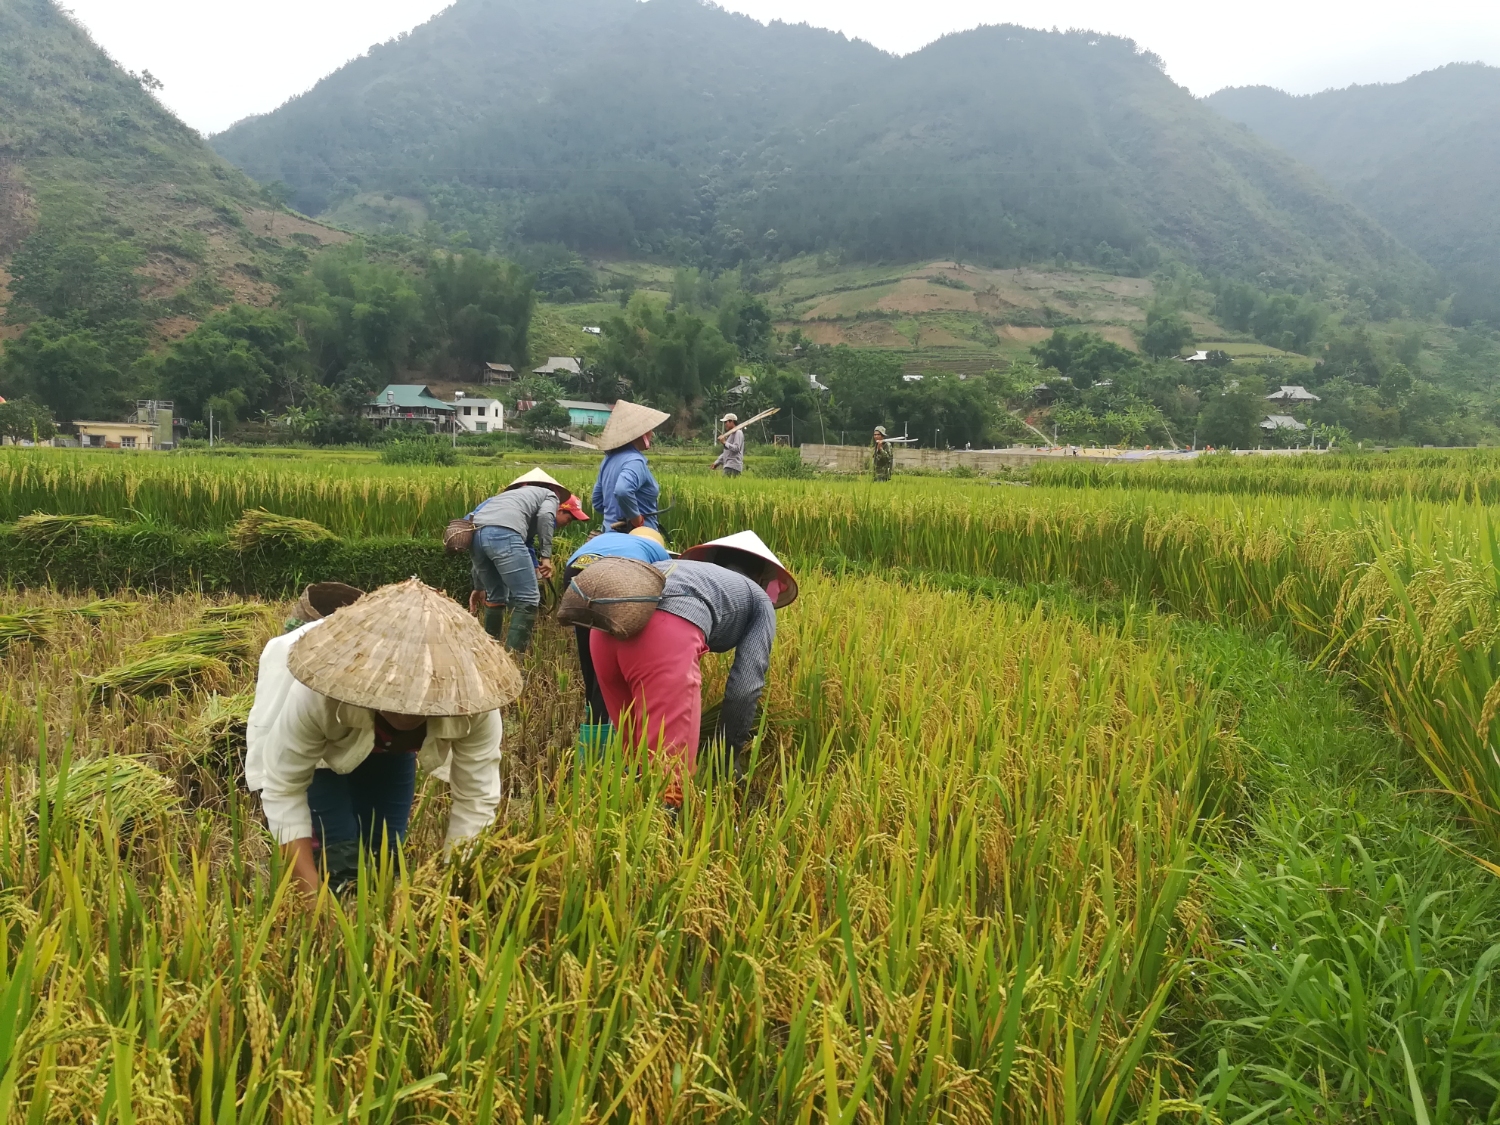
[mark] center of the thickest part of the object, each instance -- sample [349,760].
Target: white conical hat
[536,476]
[628,421]
[407,649]
[748,543]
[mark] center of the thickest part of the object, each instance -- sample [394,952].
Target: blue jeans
[368,807]
[503,568]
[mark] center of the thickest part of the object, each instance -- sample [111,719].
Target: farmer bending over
[506,526]
[652,683]
[645,544]
[345,710]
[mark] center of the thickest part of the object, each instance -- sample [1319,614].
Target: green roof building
[408,402]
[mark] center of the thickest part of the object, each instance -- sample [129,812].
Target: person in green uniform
[885,455]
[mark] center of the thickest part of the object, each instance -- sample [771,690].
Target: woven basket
[458,537]
[613,594]
[321,598]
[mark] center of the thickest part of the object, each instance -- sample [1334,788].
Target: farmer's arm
[474,777]
[626,486]
[546,524]
[296,745]
[747,678]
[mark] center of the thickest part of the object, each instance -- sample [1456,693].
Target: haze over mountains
[677,129]
[1421,156]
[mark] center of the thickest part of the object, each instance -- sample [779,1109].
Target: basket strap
[573,585]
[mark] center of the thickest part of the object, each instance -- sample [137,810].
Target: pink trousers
[653,687]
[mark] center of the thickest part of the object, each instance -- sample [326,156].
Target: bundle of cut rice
[216,736]
[28,625]
[96,611]
[126,789]
[39,527]
[239,612]
[258,527]
[229,640]
[164,672]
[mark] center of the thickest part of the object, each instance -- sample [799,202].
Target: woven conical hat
[407,649]
[628,421]
[536,476]
[748,543]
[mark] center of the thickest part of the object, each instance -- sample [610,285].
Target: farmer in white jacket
[346,709]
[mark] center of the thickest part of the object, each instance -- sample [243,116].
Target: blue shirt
[625,488]
[617,545]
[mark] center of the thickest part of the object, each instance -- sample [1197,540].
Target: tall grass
[958,886]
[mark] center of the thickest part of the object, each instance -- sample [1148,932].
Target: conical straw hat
[536,476]
[628,421]
[407,649]
[747,543]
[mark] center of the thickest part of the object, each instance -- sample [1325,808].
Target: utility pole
[210,427]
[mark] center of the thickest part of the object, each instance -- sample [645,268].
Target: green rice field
[1138,794]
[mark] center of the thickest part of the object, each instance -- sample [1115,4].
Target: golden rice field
[1070,805]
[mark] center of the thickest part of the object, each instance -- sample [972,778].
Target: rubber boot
[592,739]
[494,621]
[522,621]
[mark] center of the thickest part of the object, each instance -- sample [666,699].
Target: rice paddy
[1082,803]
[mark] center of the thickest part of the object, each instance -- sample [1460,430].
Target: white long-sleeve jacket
[294,730]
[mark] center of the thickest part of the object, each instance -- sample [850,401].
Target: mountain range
[1422,157]
[676,128]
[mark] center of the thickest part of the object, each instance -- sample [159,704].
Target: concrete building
[116,435]
[585,413]
[476,414]
[408,402]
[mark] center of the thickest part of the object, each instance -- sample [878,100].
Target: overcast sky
[225,59]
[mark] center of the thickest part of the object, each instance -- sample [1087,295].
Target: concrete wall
[856,458]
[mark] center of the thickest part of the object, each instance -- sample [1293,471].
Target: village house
[1276,422]
[116,435]
[1292,394]
[408,402]
[476,414]
[565,365]
[498,373]
[585,413]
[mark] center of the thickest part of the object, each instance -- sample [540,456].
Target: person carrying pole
[504,573]
[644,543]
[719,596]
[626,493]
[884,455]
[346,708]
[732,460]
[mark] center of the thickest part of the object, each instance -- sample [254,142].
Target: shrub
[784,464]
[419,451]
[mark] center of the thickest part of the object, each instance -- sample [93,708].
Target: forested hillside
[1422,156]
[120,229]
[674,128]
[135,262]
